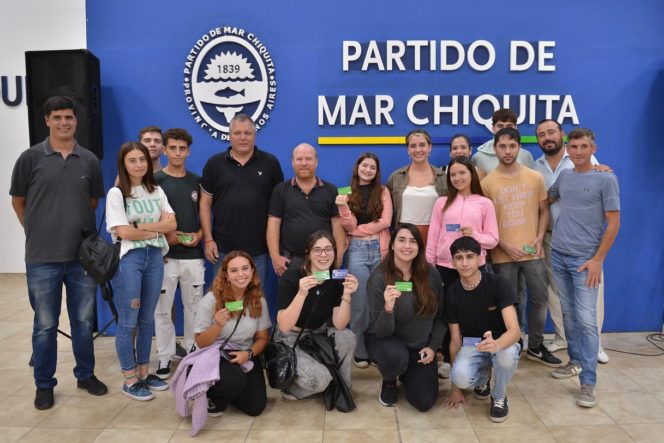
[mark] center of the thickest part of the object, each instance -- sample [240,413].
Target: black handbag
[99,258]
[279,359]
[321,347]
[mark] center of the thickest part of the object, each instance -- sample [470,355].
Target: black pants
[244,391]
[395,359]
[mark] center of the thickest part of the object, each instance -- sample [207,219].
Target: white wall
[27,25]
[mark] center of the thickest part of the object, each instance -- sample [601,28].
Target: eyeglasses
[319,251]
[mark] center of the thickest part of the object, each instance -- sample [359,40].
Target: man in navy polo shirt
[299,207]
[55,187]
[237,185]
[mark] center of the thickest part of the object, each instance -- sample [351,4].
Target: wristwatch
[250,352]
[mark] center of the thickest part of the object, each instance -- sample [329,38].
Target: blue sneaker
[154,383]
[137,391]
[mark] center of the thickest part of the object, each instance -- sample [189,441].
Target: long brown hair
[311,241]
[123,176]
[426,301]
[375,203]
[221,287]
[475,187]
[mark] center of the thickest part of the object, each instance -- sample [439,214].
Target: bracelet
[250,352]
[208,241]
[346,299]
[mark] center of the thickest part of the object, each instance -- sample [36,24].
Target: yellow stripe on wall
[398,140]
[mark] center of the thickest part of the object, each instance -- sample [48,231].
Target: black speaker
[74,73]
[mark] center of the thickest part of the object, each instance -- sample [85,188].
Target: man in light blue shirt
[550,137]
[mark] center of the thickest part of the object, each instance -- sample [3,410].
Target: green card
[529,250]
[321,276]
[185,238]
[344,191]
[404,286]
[234,306]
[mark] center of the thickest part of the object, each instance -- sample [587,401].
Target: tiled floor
[542,409]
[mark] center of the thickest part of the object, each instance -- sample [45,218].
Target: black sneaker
[520,345]
[44,398]
[180,351]
[499,410]
[93,386]
[388,393]
[483,392]
[542,355]
[213,410]
[164,372]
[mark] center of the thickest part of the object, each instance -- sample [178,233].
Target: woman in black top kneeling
[318,303]
[405,297]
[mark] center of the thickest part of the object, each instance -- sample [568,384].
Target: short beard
[550,153]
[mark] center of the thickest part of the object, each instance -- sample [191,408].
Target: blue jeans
[45,292]
[473,368]
[136,289]
[537,281]
[363,257]
[579,306]
[262,262]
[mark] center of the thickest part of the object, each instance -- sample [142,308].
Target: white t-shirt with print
[143,207]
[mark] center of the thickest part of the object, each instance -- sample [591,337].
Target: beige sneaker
[567,371]
[586,397]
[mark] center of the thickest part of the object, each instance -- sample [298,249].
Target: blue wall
[609,56]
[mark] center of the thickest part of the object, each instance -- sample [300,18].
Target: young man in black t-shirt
[484,330]
[183,264]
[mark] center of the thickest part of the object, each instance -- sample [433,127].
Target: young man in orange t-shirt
[522,210]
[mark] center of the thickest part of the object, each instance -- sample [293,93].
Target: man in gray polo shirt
[55,187]
[589,200]
[550,137]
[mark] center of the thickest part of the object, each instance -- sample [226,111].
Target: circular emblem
[194,196]
[229,71]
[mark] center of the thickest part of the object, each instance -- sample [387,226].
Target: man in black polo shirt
[237,185]
[55,187]
[299,207]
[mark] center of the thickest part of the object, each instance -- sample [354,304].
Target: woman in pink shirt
[365,215]
[464,211]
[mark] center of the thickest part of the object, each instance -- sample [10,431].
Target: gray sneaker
[586,397]
[567,371]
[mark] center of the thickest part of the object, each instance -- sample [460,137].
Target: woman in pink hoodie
[366,215]
[464,211]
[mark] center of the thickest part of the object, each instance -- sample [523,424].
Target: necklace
[471,286]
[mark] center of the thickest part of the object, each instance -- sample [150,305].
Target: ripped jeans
[136,288]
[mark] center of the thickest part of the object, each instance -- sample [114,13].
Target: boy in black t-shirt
[183,265]
[484,330]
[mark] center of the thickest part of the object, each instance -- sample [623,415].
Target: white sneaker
[556,346]
[602,357]
[444,369]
